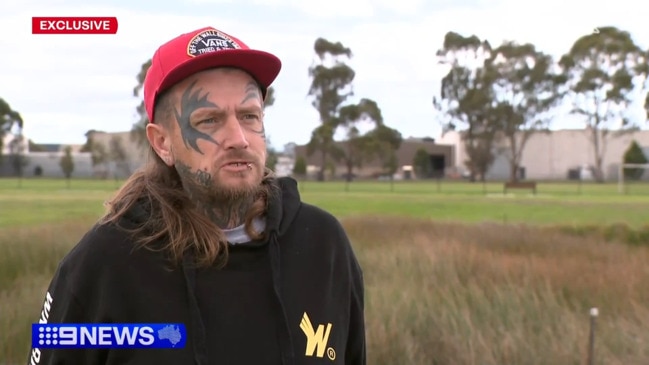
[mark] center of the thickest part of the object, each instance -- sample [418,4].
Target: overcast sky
[64,85]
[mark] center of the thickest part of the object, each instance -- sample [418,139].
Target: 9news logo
[111,335]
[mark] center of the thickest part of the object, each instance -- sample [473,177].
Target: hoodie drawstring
[196,326]
[285,339]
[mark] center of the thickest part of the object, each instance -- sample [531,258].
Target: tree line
[498,97]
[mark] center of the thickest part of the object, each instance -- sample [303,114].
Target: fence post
[591,340]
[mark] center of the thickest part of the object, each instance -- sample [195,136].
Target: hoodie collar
[283,206]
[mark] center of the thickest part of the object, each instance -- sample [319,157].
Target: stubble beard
[238,186]
[225,203]
[214,187]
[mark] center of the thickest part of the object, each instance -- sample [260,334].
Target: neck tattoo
[226,210]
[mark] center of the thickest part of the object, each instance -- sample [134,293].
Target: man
[205,236]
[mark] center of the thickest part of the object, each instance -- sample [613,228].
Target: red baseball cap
[199,50]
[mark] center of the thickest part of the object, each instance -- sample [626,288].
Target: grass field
[554,203]
[456,273]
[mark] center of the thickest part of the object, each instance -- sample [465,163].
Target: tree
[138,130]
[384,144]
[67,164]
[525,87]
[322,140]
[421,164]
[357,147]
[299,168]
[481,152]
[606,71]
[634,155]
[99,157]
[9,120]
[271,155]
[391,165]
[17,154]
[465,100]
[98,154]
[330,88]
[271,158]
[118,155]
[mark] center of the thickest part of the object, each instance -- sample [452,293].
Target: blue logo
[109,335]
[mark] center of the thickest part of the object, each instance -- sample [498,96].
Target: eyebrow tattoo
[190,102]
[252,92]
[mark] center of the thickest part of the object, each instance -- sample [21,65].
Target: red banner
[74,25]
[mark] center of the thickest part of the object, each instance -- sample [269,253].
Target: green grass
[40,201]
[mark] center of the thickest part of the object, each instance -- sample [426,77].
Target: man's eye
[209,120]
[250,116]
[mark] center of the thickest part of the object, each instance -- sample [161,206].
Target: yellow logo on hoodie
[316,340]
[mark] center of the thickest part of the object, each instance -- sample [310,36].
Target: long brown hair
[172,218]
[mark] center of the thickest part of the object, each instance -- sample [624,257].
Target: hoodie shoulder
[100,245]
[101,257]
[327,221]
[284,204]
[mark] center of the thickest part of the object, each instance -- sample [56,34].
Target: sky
[65,85]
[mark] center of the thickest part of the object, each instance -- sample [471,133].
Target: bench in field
[529,185]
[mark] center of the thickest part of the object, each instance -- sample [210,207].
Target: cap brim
[262,66]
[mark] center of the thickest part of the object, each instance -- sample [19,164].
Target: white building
[284,165]
[44,162]
[550,156]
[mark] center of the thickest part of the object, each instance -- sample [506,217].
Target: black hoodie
[257,310]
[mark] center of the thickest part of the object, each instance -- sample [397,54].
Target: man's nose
[234,136]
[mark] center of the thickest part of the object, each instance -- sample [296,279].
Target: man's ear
[160,139]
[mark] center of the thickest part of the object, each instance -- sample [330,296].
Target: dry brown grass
[436,293]
[28,258]
[489,294]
